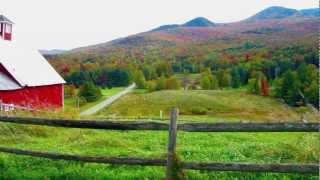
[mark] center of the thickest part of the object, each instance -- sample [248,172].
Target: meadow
[204,105]
[226,105]
[218,147]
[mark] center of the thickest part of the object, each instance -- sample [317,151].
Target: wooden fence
[11,107]
[173,129]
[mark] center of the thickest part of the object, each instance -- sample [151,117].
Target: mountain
[196,22]
[165,27]
[310,12]
[199,22]
[52,52]
[274,12]
[274,26]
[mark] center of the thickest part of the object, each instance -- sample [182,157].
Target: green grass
[204,147]
[202,105]
[71,102]
[226,105]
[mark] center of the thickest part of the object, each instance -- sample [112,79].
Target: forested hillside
[271,53]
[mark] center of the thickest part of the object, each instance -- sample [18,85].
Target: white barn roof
[27,66]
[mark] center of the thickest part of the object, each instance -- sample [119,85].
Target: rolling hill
[269,30]
[274,12]
[270,26]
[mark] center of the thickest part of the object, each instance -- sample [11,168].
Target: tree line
[290,72]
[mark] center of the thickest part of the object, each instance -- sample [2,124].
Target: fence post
[172,144]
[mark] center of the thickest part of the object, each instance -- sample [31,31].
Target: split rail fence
[173,129]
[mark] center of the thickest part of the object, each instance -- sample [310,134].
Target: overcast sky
[66,24]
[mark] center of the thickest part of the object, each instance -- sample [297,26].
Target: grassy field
[227,105]
[201,105]
[71,102]
[219,147]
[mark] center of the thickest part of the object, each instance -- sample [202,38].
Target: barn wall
[50,96]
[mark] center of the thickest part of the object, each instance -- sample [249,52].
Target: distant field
[71,102]
[198,105]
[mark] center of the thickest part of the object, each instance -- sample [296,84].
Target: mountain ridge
[196,22]
[202,29]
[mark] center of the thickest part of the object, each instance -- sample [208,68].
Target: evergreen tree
[290,87]
[214,82]
[224,78]
[235,78]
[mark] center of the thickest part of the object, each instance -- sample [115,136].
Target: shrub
[160,83]
[205,83]
[151,86]
[199,111]
[90,92]
[172,83]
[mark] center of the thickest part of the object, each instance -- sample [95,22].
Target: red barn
[26,78]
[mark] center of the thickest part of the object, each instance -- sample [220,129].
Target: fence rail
[157,126]
[173,129]
[279,168]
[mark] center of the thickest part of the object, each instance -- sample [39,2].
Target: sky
[68,24]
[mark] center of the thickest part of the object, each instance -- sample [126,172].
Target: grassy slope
[220,147]
[70,102]
[226,105]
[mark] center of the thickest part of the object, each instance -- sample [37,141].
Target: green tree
[258,84]
[163,69]
[205,82]
[225,79]
[149,72]
[160,83]
[312,93]
[254,86]
[208,81]
[235,78]
[214,82]
[90,92]
[151,86]
[139,79]
[290,87]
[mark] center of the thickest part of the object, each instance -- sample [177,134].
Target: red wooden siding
[7,36]
[50,96]
[6,31]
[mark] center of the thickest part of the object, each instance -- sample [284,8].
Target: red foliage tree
[264,87]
